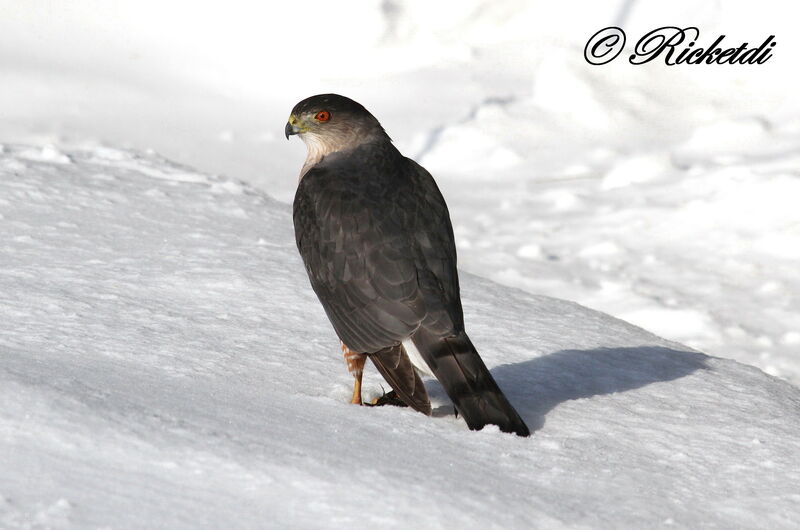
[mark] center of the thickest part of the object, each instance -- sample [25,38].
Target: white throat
[318,146]
[316,150]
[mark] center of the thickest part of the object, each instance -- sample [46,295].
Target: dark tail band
[468,382]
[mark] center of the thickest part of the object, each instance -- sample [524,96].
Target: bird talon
[390,398]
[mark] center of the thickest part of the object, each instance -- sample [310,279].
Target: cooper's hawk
[375,236]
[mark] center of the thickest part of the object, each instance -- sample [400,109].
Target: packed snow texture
[164,363]
[665,196]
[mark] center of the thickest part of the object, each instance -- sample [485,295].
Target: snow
[151,310]
[689,173]
[165,364]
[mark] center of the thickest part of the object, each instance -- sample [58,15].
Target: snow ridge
[163,362]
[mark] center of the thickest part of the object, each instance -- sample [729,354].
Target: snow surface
[164,363]
[665,196]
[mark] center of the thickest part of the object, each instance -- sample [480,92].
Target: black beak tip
[288,130]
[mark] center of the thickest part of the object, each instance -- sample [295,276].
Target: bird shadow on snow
[538,385]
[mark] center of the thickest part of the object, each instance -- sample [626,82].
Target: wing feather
[357,259]
[375,235]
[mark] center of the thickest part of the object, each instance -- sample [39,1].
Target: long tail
[395,366]
[461,371]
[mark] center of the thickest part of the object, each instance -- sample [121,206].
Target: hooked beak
[291,127]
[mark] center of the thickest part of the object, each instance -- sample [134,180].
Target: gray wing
[435,249]
[378,247]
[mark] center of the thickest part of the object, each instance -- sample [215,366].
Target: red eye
[322,115]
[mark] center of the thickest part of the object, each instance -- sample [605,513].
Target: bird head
[330,122]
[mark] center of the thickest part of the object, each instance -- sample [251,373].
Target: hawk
[375,236]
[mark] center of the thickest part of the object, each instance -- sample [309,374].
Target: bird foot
[389,398]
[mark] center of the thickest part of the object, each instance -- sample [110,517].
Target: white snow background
[165,363]
[666,196]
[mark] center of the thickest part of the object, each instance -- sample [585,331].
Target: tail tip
[517,427]
[522,431]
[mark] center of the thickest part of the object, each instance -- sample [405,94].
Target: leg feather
[395,366]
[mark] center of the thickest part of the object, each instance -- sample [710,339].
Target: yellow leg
[355,365]
[356,400]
